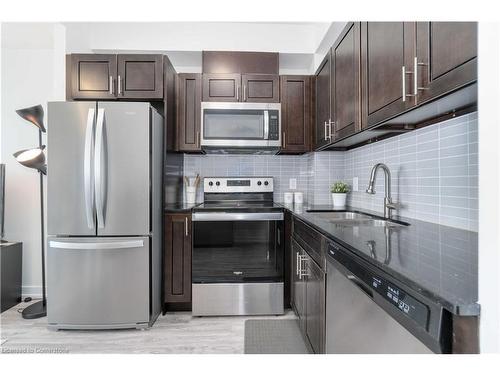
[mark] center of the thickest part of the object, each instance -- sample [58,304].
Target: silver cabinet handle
[98,168]
[403,83]
[330,123]
[284,139]
[404,73]
[297,267]
[88,170]
[119,85]
[187,231]
[266,124]
[417,64]
[244,93]
[237,93]
[110,85]
[96,245]
[326,133]
[303,271]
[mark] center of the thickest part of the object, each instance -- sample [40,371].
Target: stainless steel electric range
[237,248]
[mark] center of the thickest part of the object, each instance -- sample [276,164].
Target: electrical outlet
[293,183]
[355,184]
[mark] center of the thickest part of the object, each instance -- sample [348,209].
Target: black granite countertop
[437,261]
[179,207]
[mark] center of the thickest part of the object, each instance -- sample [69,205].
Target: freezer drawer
[98,283]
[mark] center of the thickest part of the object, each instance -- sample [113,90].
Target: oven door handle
[237,216]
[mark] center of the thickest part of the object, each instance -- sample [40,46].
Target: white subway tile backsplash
[434,172]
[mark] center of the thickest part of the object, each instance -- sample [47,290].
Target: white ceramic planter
[339,199]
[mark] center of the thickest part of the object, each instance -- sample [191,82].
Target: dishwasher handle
[360,285]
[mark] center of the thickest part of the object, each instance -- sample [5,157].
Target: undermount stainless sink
[355,219]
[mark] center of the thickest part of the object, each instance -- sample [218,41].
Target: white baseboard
[33,291]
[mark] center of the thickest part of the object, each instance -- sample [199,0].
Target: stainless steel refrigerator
[104,215]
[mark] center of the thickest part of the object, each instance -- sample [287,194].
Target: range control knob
[210,183]
[259,183]
[266,183]
[217,183]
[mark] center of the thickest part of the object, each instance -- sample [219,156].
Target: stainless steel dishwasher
[367,311]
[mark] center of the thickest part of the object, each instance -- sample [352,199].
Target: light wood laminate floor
[174,333]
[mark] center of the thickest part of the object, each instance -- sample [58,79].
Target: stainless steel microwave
[240,127]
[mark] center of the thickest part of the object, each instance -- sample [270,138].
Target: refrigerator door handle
[96,245]
[88,169]
[98,168]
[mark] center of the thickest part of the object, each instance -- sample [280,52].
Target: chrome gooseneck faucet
[388,204]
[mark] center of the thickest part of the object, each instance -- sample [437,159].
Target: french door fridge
[104,215]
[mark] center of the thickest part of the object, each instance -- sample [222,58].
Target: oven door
[237,247]
[240,124]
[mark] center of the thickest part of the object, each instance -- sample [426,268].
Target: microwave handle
[266,124]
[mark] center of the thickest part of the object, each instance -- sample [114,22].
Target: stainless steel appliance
[240,127]
[237,248]
[367,311]
[104,215]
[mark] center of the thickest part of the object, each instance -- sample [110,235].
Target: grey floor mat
[273,336]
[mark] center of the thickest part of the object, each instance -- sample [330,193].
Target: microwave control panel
[274,125]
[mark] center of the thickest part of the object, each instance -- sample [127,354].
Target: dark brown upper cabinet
[260,88]
[322,99]
[295,113]
[346,89]
[177,259]
[221,87]
[235,87]
[242,62]
[387,57]
[188,112]
[92,76]
[446,57]
[102,76]
[140,76]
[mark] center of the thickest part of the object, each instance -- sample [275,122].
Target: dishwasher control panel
[409,306]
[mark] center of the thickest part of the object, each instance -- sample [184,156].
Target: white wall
[32,73]
[489,173]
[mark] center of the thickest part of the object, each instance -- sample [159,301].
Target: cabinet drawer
[310,240]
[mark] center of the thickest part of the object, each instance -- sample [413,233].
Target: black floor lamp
[35,158]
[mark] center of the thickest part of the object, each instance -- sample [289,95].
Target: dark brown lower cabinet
[308,297]
[315,304]
[177,261]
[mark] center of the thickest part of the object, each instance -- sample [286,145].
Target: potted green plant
[339,192]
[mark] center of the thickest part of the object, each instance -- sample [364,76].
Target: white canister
[298,197]
[288,198]
[191,194]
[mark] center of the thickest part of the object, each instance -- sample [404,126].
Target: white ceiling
[301,45]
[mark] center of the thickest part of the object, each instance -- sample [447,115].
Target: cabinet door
[322,103]
[298,284]
[188,112]
[315,305]
[295,113]
[387,54]
[260,88]
[221,87]
[346,82]
[140,76]
[177,260]
[446,57]
[93,76]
